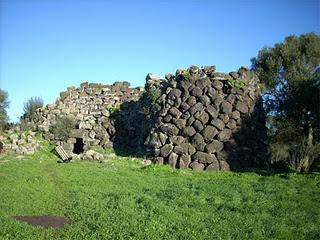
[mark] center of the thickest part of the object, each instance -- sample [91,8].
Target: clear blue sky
[48,45]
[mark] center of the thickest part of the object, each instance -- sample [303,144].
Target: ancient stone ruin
[197,118]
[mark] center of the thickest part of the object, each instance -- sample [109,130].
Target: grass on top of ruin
[121,198]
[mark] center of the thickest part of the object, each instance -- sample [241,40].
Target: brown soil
[44,221]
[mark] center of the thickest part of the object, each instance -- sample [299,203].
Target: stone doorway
[78,146]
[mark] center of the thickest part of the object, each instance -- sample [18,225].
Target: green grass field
[121,199]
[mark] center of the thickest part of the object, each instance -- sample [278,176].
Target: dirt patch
[44,221]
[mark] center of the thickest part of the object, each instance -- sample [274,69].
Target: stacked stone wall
[209,120]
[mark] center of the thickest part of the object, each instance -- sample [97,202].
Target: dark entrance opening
[78,146]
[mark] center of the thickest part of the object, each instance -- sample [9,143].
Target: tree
[30,108]
[4,104]
[291,73]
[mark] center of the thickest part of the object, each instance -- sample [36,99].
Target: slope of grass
[121,199]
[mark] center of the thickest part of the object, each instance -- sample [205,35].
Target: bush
[62,127]
[4,104]
[297,156]
[153,95]
[30,108]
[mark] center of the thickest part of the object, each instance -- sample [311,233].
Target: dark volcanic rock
[214,146]
[198,142]
[209,132]
[203,157]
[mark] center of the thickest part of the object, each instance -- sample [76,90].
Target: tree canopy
[291,73]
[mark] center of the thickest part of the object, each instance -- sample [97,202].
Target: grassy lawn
[121,199]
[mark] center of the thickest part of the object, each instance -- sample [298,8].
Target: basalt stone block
[196,166]
[196,91]
[188,131]
[191,149]
[181,149]
[180,123]
[214,166]
[173,158]
[202,116]
[184,161]
[175,112]
[198,142]
[203,157]
[169,129]
[184,106]
[214,146]
[190,121]
[213,112]
[198,107]
[224,166]
[191,101]
[217,85]
[241,107]
[209,69]
[209,133]
[198,126]
[166,150]
[177,140]
[159,160]
[224,117]
[218,123]
[224,135]
[203,82]
[235,115]
[226,107]
[205,100]
[167,118]
[232,124]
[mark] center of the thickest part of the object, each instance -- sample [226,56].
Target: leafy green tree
[291,73]
[4,104]
[30,108]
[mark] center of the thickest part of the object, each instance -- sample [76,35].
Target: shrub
[30,107]
[153,95]
[4,104]
[186,76]
[297,156]
[62,127]
[234,83]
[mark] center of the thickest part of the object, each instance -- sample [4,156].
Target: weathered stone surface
[175,112]
[173,158]
[180,123]
[166,150]
[196,166]
[235,115]
[218,123]
[217,85]
[214,146]
[204,100]
[202,116]
[191,101]
[196,91]
[224,166]
[169,129]
[214,166]
[198,107]
[198,126]
[209,132]
[188,131]
[241,107]
[203,157]
[226,107]
[198,142]
[183,148]
[224,135]
[184,161]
